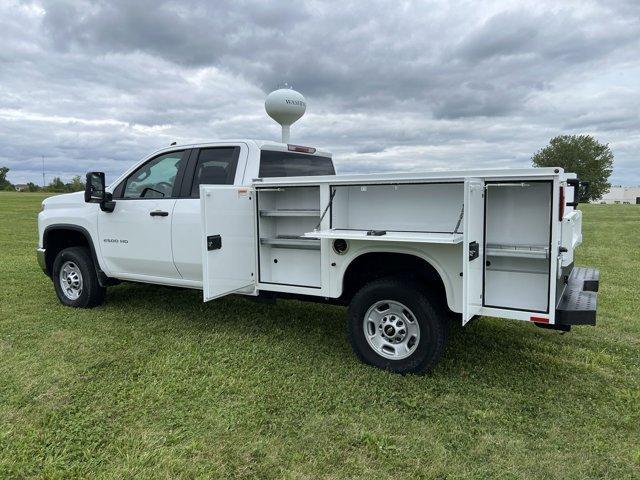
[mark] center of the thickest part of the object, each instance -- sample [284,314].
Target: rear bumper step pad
[579,301]
[584,278]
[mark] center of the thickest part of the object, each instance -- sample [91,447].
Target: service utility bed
[502,241]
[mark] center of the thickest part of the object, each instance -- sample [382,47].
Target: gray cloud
[391,86]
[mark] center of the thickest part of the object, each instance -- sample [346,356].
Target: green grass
[156,383]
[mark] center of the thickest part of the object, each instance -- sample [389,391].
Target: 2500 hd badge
[115,240]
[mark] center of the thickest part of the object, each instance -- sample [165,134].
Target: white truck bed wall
[517,238]
[433,207]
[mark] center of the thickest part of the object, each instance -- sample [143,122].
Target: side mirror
[584,191]
[95,192]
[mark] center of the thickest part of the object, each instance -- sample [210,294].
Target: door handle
[474,250]
[214,242]
[159,213]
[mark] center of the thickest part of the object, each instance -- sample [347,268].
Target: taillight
[561,203]
[301,149]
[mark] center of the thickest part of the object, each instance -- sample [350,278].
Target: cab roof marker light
[300,148]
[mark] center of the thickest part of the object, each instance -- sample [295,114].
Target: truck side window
[216,166]
[154,179]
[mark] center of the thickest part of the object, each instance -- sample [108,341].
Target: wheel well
[57,239]
[371,266]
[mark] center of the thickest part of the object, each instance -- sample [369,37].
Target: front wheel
[75,279]
[394,326]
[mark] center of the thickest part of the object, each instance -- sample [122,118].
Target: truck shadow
[493,352]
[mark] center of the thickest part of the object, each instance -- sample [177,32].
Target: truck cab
[407,252]
[150,234]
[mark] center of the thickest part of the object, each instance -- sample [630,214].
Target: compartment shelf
[292,212]
[390,236]
[286,241]
[517,251]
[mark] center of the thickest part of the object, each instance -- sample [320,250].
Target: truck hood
[74,198]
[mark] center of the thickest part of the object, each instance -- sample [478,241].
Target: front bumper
[41,255]
[579,302]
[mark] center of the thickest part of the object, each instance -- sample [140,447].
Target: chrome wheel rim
[71,280]
[391,329]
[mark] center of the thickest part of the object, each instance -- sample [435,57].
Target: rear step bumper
[578,303]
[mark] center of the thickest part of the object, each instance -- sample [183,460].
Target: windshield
[289,164]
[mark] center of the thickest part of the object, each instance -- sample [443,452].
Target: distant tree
[76,184]
[57,185]
[4,183]
[581,154]
[32,187]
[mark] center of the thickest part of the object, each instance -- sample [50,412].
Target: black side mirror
[94,188]
[584,191]
[95,192]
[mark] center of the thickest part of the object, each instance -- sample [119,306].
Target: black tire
[433,326]
[92,293]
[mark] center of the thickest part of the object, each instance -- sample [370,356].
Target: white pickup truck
[407,252]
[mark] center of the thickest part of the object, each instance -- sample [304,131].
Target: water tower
[285,106]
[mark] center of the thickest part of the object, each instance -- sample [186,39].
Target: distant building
[21,187]
[620,194]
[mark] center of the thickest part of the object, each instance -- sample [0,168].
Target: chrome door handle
[159,213]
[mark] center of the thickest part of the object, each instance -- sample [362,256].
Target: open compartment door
[229,243]
[473,251]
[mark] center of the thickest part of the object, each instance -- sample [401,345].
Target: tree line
[55,186]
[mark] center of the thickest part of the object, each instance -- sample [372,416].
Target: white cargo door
[472,261]
[228,240]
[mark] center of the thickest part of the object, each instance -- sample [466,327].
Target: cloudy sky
[390,85]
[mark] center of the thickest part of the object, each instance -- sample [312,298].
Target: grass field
[157,384]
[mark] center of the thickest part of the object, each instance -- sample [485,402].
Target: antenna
[43,184]
[285,106]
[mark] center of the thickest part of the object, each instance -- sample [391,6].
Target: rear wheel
[75,279]
[394,326]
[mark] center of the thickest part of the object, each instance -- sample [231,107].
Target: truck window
[290,164]
[216,166]
[154,179]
